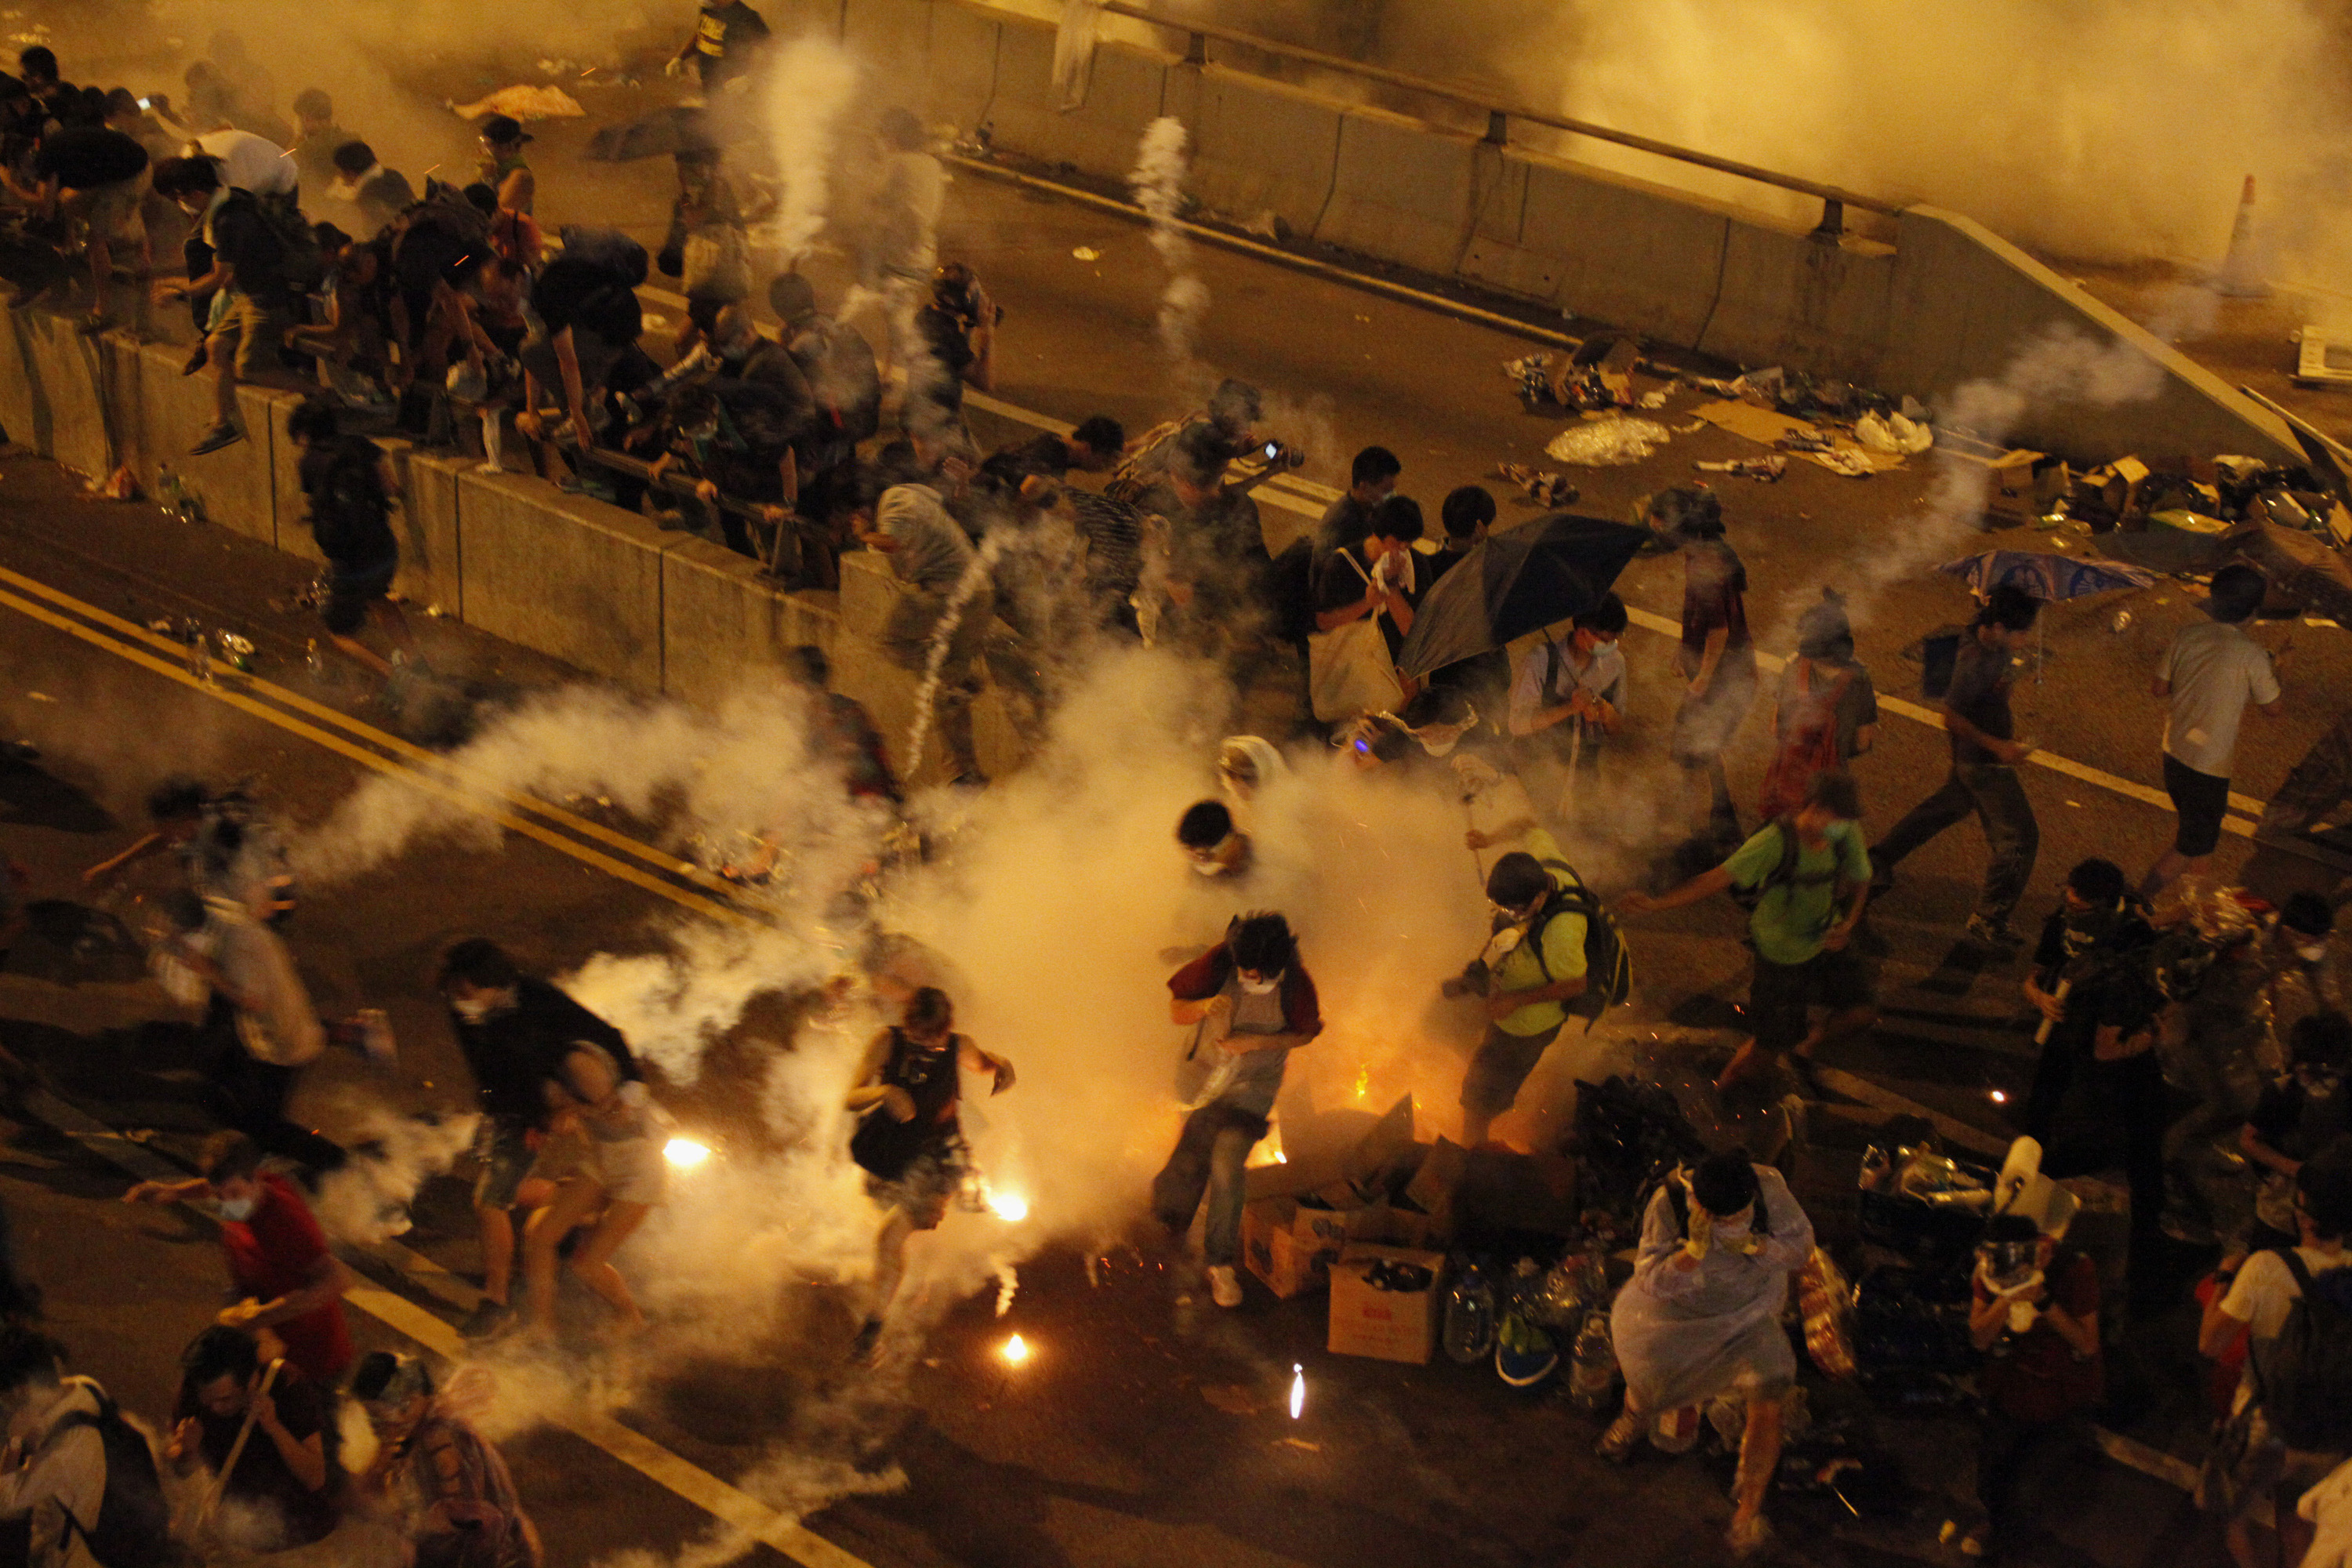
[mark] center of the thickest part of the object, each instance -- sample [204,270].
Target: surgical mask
[1260,987]
[1208,868]
[236,1210]
[2313,953]
[702,432]
[474,1009]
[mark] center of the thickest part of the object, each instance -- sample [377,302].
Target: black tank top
[886,1146]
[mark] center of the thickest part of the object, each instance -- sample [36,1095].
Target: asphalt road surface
[1146,1431]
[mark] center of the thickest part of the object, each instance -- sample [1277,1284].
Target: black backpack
[134,1521]
[300,264]
[2306,1391]
[350,510]
[1608,967]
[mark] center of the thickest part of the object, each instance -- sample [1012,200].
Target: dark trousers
[2012,838]
[250,1095]
[2128,1097]
[2009,1453]
[199,258]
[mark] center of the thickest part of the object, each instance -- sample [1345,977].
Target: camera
[957,291]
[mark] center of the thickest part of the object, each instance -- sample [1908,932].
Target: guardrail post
[1196,48]
[1497,127]
[1833,225]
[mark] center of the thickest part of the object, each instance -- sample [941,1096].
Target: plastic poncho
[1684,1336]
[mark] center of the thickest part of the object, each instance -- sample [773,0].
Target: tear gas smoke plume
[811,88]
[1158,182]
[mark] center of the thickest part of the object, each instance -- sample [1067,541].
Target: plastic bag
[1894,433]
[1608,443]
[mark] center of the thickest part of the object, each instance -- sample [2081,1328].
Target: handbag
[1348,670]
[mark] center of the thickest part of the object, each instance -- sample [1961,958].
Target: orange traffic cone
[2241,276]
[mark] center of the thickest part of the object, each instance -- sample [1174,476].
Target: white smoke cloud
[811,88]
[1161,166]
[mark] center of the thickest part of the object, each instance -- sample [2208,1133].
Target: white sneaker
[1224,1285]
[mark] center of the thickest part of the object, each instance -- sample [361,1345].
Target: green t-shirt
[1563,952]
[1792,917]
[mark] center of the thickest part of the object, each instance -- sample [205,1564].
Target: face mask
[702,432]
[1207,869]
[2313,953]
[236,1210]
[1260,987]
[474,1009]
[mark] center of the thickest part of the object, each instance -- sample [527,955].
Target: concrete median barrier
[963,45]
[861,669]
[571,577]
[427,523]
[1791,299]
[1258,146]
[236,485]
[55,404]
[1125,92]
[727,623]
[1406,192]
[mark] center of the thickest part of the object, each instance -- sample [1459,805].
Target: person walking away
[910,1143]
[726,43]
[260,1028]
[1253,1002]
[1983,779]
[286,1482]
[254,308]
[285,1279]
[1372,476]
[2300,1114]
[1717,658]
[349,486]
[1568,698]
[1806,879]
[507,1024]
[83,1477]
[1700,1319]
[95,177]
[2290,1419]
[1826,712]
[1533,965]
[2033,1315]
[2094,985]
[1365,594]
[2209,674]
[930,553]
[442,1479]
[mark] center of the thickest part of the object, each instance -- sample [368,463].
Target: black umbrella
[1515,582]
[662,135]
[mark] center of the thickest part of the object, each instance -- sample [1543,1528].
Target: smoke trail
[367,1199]
[975,576]
[810,88]
[1158,182]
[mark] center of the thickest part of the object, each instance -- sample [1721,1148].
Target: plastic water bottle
[200,650]
[1469,1323]
[312,661]
[1593,1365]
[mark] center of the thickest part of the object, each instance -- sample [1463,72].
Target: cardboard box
[1386,1325]
[1286,1262]
[1432,1188]
[2012,495]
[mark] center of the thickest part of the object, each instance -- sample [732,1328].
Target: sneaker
[487,1319]
[1224,1285]
[863,1349]
[216,437]
[196,359]
[1999,938]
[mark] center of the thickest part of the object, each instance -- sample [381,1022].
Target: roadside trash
[1468,1329]
[1267,224]
[2123,619]
[1608,443]
[235,650]
[1086,253]
[1543,487]
[2324,357]
[1532,376]
[160,625]
[1765,471]
[522,103]
[1894,433]
[1655,399]
[200,651]
[1804,441]
[1852,464]
[1593,1365]
[311,660]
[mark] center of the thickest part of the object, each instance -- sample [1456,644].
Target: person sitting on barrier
[351,334]
[255,310]
[733,444]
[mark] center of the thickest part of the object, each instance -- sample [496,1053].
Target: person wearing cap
[1532,966]
[726,41]
[446,1483]
[1826,712]
[502,166]
[2033,1315]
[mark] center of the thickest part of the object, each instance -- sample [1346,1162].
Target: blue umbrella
[2050,578]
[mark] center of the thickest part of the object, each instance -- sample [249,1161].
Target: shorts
[349,594]
[596,359]
[924,1189]
[631,1170]
[504,1148]
[1780,995]
[112,211]
[1500,1066]
[2203,800]
[255,330]
[1704,725]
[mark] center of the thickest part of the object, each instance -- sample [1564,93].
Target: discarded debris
[1894,433]
[523,103]
[1545,488]
[1765,471]
[1086,253]
[1608,443]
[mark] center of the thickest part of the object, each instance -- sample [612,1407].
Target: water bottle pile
[1524,1316]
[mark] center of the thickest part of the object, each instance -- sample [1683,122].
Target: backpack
[1783,873]
[434,235]
[2308,1395]
[134,1521]
[608,248]
[1608,967]
[299,261]
[349,511]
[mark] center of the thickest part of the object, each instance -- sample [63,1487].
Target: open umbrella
[2048,577]
[1516,583]
[662,135]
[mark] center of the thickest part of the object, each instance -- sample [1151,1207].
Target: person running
[227,845]
[285,1279]
[1983,779]
[444,1480]
[2210,674]
[605,1151]
[1809,875]
[1533,965]
[910,1143]
[349,486]
[1253,1003]
[1700,1319]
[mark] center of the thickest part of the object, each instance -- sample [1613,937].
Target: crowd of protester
[1013,563]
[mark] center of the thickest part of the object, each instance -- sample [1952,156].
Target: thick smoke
[1158,182]
[812,86]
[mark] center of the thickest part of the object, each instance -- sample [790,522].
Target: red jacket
[1302,1011]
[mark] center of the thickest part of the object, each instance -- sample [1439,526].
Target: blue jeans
[1209,1156]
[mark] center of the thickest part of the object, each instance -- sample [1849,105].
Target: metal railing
[1500,112]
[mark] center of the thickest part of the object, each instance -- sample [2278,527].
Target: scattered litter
[1845,460]
[1267,224]
[1655,399]
[1608,443]
[435,611]
[1086,253]
[1543,487]
[1894,433]
[523,103]
[2321,621]
[2076,803]
[1532,376]
[40,696]
[235,645]
[1801,437]
[1693,428]
[1765,470]
[159,625]
[2123,619]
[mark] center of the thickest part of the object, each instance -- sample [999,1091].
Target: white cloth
[1683,1336]
[275,1019]
[2328,1506]
[934,553]
[253,163]
[2265,1291]
[67,1472]
[1604,677]
[2215,669]
[914,188]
